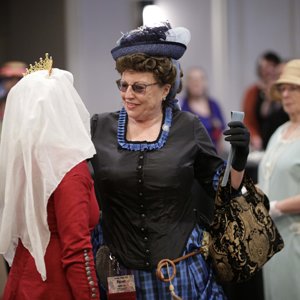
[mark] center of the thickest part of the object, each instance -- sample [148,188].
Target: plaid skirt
[194,278]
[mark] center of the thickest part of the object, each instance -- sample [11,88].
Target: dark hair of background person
[269,56]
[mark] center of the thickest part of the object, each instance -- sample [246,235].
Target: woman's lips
[131,105]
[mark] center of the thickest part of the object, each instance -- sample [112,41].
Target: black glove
[239,137]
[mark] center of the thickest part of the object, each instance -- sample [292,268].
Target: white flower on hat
[178,35]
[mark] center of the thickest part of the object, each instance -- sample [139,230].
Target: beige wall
[227,37]
[93,27]
[253,27]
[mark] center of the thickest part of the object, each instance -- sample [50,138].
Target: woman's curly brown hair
[162,68]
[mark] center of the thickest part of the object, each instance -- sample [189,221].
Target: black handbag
[106,265]
[243,235]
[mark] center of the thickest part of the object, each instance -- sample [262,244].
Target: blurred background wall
[227,37]
[28,29]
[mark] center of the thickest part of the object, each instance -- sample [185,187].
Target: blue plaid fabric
[97,238]
[217,176]
[194,277]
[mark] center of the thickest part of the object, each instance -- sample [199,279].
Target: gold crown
[43,64]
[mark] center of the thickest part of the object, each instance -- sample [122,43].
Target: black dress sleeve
[207,161]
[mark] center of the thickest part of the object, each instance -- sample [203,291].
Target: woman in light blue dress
[279,178]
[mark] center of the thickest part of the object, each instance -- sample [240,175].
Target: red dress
[249,107]
[72,213]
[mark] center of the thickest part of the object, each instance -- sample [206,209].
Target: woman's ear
[166,90]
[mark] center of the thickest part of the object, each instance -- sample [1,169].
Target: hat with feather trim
[161,40]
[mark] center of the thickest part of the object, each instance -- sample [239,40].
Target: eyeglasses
[139,88]
[290,88]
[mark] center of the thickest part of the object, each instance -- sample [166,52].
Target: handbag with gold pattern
[243,235]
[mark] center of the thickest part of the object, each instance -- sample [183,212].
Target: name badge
[121,288]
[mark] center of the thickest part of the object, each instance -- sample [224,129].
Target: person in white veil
[47,201]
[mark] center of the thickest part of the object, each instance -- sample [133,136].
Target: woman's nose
[129,92]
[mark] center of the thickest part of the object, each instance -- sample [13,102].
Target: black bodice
[146,196]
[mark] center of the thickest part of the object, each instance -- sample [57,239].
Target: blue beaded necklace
[143,146]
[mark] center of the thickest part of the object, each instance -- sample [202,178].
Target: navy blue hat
[155,41]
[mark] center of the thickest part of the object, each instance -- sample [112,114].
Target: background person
[198,101]
[10,73]
[279,178]
[262,115]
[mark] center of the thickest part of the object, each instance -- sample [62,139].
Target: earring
[164,99]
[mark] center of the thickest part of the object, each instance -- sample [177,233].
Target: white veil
[45,133]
